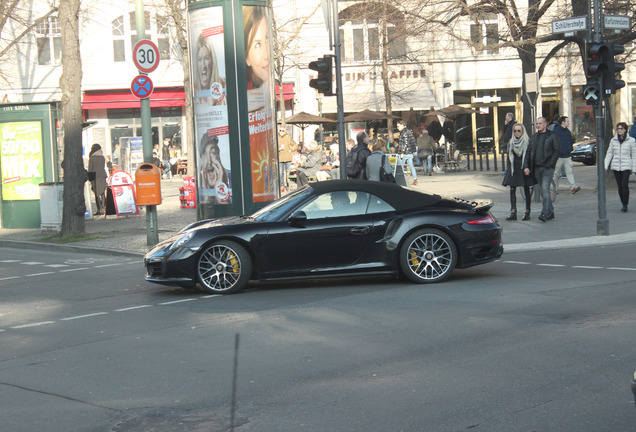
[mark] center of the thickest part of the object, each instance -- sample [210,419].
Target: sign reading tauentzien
[21,160]
[569,25]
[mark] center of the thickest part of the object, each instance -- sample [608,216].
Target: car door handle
[360,230]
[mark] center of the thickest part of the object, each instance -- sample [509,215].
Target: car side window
[344,203]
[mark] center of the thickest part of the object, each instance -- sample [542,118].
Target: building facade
[426,67]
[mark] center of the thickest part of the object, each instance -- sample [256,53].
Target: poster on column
[21,160]
[263,149]
[210,105]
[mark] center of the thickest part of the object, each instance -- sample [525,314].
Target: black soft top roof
[398,197]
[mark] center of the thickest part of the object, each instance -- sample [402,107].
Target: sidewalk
[575,224]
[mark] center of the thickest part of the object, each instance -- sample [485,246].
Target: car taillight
[482,221]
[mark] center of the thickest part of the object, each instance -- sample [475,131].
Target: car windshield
[283,206]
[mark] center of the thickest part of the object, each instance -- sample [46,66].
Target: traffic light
[612,84]
[596,71]
[324,82]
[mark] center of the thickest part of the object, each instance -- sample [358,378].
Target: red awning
[113,99]
[288,92]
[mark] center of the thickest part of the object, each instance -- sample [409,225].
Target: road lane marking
[176,301]
[132,308]
[83,316]
[621,268]
[33,324]
[56,265]
[10,277]
[74,269]
[107,265]
[551,265]
[9,261]
[517,262]
[39,274]
[588,267]
[31,263]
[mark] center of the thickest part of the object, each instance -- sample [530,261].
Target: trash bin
[148,184]
[51,206]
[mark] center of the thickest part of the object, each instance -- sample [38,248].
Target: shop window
[49,41]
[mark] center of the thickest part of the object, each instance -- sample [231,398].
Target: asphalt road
[538,341]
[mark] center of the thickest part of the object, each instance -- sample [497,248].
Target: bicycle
[453,158]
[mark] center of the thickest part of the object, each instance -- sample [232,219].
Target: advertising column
[27,158]
[234,117]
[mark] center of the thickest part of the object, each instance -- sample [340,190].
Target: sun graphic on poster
[261,163]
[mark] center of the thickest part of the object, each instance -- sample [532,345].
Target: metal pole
[339,92]
[602,223]
[152,230]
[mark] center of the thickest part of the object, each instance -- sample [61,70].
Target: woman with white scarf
[515,177]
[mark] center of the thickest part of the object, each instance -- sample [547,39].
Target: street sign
[569,25]
[616,22]
[141,86]
[146,56]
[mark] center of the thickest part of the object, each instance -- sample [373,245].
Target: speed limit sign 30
[146,56]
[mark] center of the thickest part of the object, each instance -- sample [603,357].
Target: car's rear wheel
[224,267]
[427,256]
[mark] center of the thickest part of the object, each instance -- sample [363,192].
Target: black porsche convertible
[331,229]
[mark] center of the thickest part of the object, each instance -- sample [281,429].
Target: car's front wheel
[427,256]
[224,267]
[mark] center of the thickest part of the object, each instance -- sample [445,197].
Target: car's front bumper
[168,267]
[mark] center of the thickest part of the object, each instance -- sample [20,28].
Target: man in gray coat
[541,158]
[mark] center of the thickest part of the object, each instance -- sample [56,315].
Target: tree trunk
[71,84]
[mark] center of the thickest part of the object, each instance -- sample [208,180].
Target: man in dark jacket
[544,150]
[565,160]
[359,154]
[407,148]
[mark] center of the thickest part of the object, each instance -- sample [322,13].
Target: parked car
[584,151]
[464,139]
[332,229]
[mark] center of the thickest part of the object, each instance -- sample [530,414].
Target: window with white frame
[361,38]
[49,41]
[124,31]
[485,37]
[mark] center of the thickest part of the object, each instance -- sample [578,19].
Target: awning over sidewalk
[288,92]
[114,99]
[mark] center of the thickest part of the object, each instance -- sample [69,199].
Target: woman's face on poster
[204,60]
[258,51]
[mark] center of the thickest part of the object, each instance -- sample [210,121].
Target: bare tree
[71,86]
[285,57]
[17,22]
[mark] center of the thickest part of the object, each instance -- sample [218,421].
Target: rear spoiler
[482,207]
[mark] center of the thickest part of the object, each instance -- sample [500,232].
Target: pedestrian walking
[565,159]
[540,160]
[407,148]
[97,176]
[621,158]
[515,177]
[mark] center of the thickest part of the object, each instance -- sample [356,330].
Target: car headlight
[585,147]
[180,241]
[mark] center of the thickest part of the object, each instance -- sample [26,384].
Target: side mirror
[297,217]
